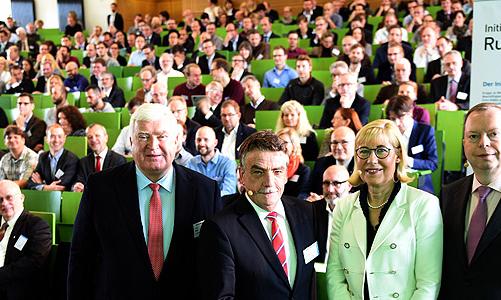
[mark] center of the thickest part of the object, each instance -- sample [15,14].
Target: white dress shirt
[6,237]
[290,249]
[229,143]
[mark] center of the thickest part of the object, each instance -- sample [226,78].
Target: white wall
[5,10]
[96,12]
[46,10]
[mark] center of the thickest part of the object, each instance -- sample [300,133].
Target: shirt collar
[58,154]
[455,78]
[495,185]
[12,221]
[262,214]
[259,100]
[166,182]
[233,132]
[102,154]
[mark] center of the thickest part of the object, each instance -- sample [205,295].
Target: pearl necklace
[377,207]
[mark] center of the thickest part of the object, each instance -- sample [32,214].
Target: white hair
[152,112]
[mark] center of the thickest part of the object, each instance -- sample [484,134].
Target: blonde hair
[295,140]
[50,59]
[387,132]
[303,127]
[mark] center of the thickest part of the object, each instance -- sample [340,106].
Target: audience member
[232,89]
[305,89]
[111,92]
[94,98]
[33,127]
[208,111]
[148,76]
[193,85]
[252,89]
[71,120]
[75,82]
[281,74]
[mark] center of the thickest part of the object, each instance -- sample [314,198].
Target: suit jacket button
[393,272]
[346,271]
[393,246]
[395,295]
[346,245]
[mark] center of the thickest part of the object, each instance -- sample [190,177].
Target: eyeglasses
[381,152]
[227,115]
[474,137]
[327,183]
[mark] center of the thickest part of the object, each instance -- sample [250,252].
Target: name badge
[294,178]
[59,173]
[28,133]
[320,267]
[302,140]
[417,149]
[196,229]
[361,80]
[335,51]
[461,96]
[276,81]
[310,253]
[21,241]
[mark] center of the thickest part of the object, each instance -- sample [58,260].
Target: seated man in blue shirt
[212,164]
[281,74]
[75,82]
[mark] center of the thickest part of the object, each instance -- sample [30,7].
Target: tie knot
[483,192]
[4,226]
[98,157]
[154,186]
[272,216]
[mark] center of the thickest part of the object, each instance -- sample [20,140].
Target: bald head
[343,144]
[206,142]
[11,199]
[335,182]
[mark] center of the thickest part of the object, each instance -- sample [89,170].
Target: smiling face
[378,172]
[482,145]
[56,139]
[97,138]
[265,174]
[290,118]
[11,199]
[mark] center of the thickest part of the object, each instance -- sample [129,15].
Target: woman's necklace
[376,207]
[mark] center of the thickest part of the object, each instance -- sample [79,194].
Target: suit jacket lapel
[251,223]
[491,232]
[14,235]
[239,139]
[359,231]
[296,220]
[413,139]
[127,196]
[391,219]
[461,198]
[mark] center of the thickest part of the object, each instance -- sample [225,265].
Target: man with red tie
[137,227]
[262,245]
[471,212]
[99,159]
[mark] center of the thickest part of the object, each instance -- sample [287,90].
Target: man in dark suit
[101,158]
[232,39]
[26,241]
[252,89]
[111,91]
[267,30]
[232,89]
[150,36]
[386,71]
[471,213]
[232,133]
[342,146]
[347,97]
[18,83]
[33,127]
[435,67]
[421,145]
[261,246]
[310,12]
[115,18]
[56,168]
[444,16]
[334,186]
[364,66]
[394,36]
[452,91]
[179,109]
[122,208]
[208,112]
[205,61]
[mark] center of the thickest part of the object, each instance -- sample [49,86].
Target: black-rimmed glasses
[381,152]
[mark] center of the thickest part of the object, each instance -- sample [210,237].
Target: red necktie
[98,163]
[277,241]
[3,229]
[155,232]
[478,221]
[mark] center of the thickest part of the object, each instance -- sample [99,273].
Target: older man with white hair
[166,62]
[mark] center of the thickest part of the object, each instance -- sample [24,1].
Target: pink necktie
[277,241]
[155,232]
[478,221]
[453,90]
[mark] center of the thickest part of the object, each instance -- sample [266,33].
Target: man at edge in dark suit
[471,213]
[26,241]
[136,232]
[261,246]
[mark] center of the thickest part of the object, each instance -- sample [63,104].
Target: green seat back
[112,136]
[75,144]
[322,63]
[267,119]
[432,109]
[130,71]
[206,79]
[420,74]
[125,83]
[272,94]
[452,123]
[84,72]
[70,201]
[116,70]
[8,101]
[108,120]
[314,113]
[173,82]
[340,32]
[78,54]
[376,112]
[125,118]
[433,10]
[371,91]
[50,218]
[259,67]
[284,42]
[324,77]
[48,201]
[136,83]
